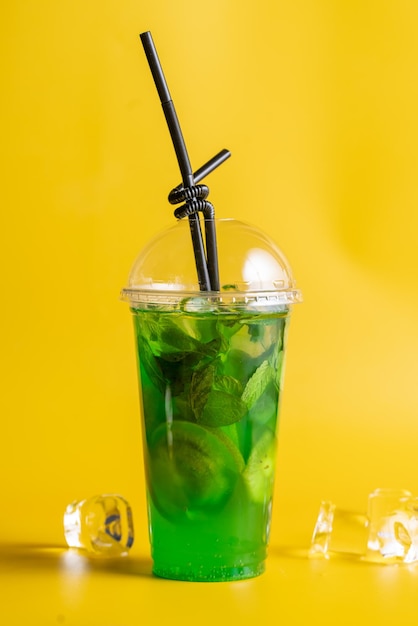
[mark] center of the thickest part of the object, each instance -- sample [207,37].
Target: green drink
[210,376]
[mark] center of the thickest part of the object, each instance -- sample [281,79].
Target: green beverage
[210,376]
[210,391]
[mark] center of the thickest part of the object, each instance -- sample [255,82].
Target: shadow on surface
[296,552]
[71,560]
[289,552]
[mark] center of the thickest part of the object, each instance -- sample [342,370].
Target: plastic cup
[210,377]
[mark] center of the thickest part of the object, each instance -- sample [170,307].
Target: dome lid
[252,269]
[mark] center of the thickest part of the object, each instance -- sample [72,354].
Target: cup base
[208,574]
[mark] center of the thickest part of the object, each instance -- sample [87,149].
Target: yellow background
[317,101]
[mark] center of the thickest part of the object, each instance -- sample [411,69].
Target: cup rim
[193,300]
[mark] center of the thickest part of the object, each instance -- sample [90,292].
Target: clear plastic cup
[210,369]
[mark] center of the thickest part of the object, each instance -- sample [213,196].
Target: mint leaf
[229,385]
[228,326]
[256,331]
[201,386]
[150,365]
[257,384]
[221,408]
[172,339]
[264,410]
[216,400]
[278,364]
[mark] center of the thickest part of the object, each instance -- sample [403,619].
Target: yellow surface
[58,587]
[317,102]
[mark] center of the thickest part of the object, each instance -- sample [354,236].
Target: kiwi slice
[259,472]
[192,470]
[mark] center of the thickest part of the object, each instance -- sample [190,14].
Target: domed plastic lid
[252,270]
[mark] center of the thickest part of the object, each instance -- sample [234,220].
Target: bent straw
[213,163]
[208,167]
[211,245]
[181,153]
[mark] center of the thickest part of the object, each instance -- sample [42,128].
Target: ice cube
[393,526]
[323,530]
[100,525]
[387,534]
[338,531]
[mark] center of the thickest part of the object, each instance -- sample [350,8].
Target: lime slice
[192,470]
[259,472]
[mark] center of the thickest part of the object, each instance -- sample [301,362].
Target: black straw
[211,245]
[212,164]
[181,153]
